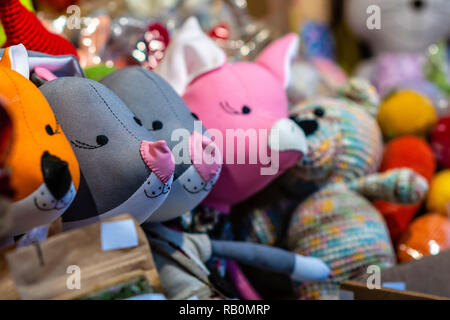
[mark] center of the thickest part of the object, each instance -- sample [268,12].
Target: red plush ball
[405,152]
[440,141]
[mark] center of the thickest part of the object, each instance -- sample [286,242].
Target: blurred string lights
[120,33]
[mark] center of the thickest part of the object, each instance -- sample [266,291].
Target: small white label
[118,235]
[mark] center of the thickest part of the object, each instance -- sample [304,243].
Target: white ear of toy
[19,60]
[279,57]
[190,54]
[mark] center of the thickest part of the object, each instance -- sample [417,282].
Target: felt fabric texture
[38,182]
[406,113]
[108,141]
[439,195]
[336,223]
[427,235]
[398,154]
[241,95]
[22,26]
[161,110]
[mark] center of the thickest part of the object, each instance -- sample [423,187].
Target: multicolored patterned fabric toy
[337,223]
[398,154]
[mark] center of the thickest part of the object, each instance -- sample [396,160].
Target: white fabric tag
[118,235]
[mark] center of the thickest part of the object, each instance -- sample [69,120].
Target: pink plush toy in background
[244,96]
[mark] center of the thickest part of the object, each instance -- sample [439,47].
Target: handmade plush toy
[427,235]
[45,172]
[124,167]
[338,223]
[405,152]
[245,100]
[161,110]
[439,195]
[407,29]
[406,112]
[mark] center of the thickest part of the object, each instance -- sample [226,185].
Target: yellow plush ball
[406,113]
[439,194]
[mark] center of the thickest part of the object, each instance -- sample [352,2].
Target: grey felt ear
[124,167]
[162,111]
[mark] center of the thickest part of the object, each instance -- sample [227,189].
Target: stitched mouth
[57,205]
[82,145]
[154,195]
[195,191]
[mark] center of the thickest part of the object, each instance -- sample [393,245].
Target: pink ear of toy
[279,56]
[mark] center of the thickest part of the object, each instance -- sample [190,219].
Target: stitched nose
[205,156]
[158,158]
[308,126]
[56,175]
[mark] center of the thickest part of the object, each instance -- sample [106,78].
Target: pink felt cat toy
[242,96]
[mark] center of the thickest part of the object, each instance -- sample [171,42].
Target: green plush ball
[98,72]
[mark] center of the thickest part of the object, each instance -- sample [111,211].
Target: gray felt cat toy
[162,111]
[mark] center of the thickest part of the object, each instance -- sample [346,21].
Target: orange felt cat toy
[45,172]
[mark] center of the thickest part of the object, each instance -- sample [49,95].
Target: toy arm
[299,268]
[403,186]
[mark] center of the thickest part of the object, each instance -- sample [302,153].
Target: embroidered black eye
[246,110]
[319,112]
[195,116]
[102,140]
[138,121]
[49,130]
[157,125]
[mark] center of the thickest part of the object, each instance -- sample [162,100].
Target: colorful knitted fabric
[402,186]
[346,145]
[22,26]
[345,231]
[337,224]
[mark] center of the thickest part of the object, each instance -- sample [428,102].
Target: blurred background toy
[45,172]
[440,141]
[427,235]
[398,154]
[439,194]
[406,113]
[30,32]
